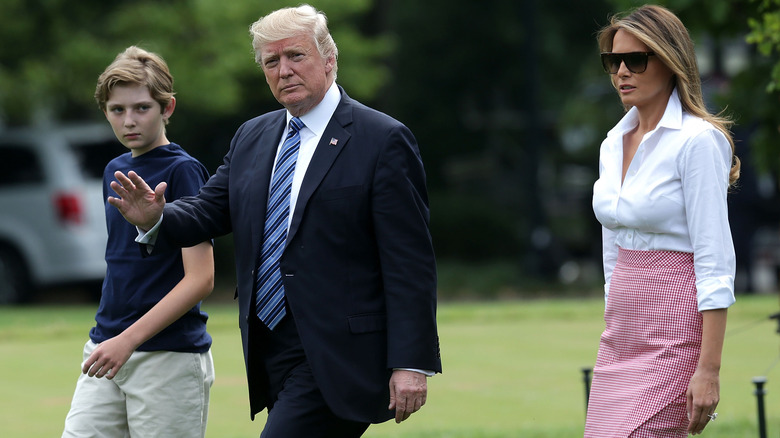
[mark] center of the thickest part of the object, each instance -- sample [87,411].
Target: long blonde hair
[663,33]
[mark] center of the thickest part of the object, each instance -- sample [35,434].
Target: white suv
[52,220]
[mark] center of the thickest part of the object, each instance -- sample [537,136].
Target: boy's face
[137,119]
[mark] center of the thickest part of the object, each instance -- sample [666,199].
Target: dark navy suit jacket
[358,267]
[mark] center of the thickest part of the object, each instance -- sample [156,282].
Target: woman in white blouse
[664,173]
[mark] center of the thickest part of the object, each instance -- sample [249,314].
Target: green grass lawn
[511,369]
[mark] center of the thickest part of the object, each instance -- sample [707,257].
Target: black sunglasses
[636,62]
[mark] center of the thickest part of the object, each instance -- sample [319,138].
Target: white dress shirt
[673,198]
[316,120]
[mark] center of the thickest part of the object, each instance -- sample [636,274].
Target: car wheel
[14,278]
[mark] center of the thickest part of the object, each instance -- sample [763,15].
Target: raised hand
[138,203]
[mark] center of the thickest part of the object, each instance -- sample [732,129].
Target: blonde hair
[665,35]
[290,22]
[136,66]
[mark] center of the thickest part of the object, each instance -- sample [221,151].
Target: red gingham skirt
[649,349]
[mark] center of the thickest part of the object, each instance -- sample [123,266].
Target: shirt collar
[318,118]
[671,119]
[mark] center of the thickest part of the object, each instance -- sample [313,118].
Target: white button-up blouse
[673,198]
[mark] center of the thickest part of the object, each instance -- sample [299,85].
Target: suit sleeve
[401,217]
[193,219]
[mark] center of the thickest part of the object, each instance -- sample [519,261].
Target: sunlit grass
[511,369]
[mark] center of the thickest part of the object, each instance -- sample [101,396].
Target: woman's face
[648,89]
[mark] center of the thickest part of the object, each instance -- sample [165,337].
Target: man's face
[296,73]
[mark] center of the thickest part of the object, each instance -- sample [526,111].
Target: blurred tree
[509,104]
[482,85]
[765,34]
[507,98]
[53,51]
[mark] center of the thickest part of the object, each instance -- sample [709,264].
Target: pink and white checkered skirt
[649,349]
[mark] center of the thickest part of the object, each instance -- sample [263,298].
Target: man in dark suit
[334,261]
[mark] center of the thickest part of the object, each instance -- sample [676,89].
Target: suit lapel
[333,140]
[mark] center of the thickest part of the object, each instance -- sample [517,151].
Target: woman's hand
[703,395]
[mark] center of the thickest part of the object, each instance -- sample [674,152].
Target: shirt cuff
[715,293]
[149,238]
[426,372]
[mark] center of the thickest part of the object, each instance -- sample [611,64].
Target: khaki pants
[155,394]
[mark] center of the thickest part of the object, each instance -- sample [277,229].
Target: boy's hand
[137,202]
[107,358]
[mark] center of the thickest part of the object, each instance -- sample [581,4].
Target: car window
[19,165]
[93,156]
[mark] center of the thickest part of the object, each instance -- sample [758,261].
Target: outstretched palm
[138,203]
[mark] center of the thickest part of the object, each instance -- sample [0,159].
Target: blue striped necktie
[270,293]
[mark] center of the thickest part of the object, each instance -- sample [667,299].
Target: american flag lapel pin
[333,142]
